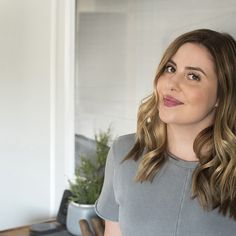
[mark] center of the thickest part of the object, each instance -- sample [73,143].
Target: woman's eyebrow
[189,67]
[195,68]
[172,62]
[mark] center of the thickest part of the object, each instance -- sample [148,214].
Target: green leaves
[90,174]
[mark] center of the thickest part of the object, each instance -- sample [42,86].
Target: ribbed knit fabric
[161,208]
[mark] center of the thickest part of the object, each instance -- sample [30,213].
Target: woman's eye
[169,69]
[194,77]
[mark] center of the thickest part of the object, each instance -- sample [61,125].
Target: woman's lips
[171,101]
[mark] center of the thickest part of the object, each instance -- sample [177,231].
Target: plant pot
[77,212]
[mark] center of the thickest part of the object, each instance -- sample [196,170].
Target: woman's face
[187,89]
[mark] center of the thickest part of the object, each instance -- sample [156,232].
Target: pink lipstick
[171,101]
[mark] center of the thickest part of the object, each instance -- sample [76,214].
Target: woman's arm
[112,228]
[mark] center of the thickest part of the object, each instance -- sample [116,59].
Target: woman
[177,174]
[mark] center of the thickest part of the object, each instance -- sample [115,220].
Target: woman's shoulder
[127,140]
[122,145]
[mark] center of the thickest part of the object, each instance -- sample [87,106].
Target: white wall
[36,131]
[120,44]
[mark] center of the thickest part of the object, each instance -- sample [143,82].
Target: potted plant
[88,184]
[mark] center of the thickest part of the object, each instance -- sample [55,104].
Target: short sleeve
[106,206]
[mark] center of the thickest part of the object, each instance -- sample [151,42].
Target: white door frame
[62,98]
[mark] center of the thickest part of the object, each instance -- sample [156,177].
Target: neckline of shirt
[180,162]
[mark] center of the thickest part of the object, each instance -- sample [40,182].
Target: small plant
[89,175]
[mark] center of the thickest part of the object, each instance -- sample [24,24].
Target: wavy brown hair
[214,178]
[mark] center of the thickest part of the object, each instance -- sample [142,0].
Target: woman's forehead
[195,55]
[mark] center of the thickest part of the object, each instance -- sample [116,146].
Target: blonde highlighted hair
[214,178]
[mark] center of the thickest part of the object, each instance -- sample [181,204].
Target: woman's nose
[174,82]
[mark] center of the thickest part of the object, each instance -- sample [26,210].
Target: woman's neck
[180,141]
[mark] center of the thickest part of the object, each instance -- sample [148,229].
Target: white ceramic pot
[77,212]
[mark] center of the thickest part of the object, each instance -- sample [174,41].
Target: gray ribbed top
[180,162]
[161,208]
